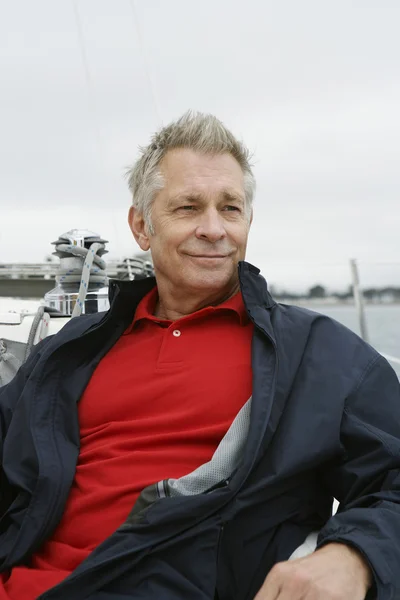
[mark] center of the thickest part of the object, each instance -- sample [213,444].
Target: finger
[283,583]
[290,593]
[268,593]
[284,592]
[271,587]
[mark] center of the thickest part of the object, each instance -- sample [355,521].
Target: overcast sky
[311,86]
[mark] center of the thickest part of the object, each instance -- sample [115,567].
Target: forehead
[185,170]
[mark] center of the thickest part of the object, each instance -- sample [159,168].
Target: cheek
[178,234]
[239,235]
[167,241]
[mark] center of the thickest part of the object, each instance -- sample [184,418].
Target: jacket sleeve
[367,480]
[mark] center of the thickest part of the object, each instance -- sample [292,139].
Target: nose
[211,226]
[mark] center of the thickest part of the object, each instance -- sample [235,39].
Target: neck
[174,306]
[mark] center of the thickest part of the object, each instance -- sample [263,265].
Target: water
[383,321]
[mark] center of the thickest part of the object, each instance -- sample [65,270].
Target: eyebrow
[185,198]
[232,197]
[190,197]
[227,196]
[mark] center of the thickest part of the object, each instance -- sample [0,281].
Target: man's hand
[335,572]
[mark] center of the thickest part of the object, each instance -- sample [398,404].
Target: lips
[209,254]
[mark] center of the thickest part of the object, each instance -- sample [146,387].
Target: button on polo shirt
[156,407]
[193,334]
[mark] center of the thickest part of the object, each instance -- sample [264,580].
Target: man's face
[200,223]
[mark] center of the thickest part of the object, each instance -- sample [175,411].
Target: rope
[42,318]
[97,274]
[93,270]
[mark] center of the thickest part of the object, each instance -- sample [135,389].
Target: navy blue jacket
[325,422]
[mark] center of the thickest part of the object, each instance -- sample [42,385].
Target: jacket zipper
[220,534]
[101,323]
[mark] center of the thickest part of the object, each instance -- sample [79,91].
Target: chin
[212,281]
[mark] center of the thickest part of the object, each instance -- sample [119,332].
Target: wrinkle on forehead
[187,173]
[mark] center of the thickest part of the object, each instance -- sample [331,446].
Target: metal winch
[82,283]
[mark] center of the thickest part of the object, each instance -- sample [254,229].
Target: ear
[138,228]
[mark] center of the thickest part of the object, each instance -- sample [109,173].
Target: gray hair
[194,130]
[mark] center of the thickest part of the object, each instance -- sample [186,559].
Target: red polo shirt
[156,407]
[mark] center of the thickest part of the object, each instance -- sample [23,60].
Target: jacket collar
[254,287]
[124,296]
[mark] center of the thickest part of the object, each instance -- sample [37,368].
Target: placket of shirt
[173,345]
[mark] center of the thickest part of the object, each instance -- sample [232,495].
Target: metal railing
[125,269]
[28,270]
[129,267]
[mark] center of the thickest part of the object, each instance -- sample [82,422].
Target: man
[190,441]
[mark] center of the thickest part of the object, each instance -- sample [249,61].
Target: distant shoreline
[11,303]
[331,303]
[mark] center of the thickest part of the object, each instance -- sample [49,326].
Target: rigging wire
[92,105]
[89,85]
[152,87]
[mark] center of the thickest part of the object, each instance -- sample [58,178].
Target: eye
[187,207]
[231,208]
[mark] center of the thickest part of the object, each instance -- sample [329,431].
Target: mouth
[208,255]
